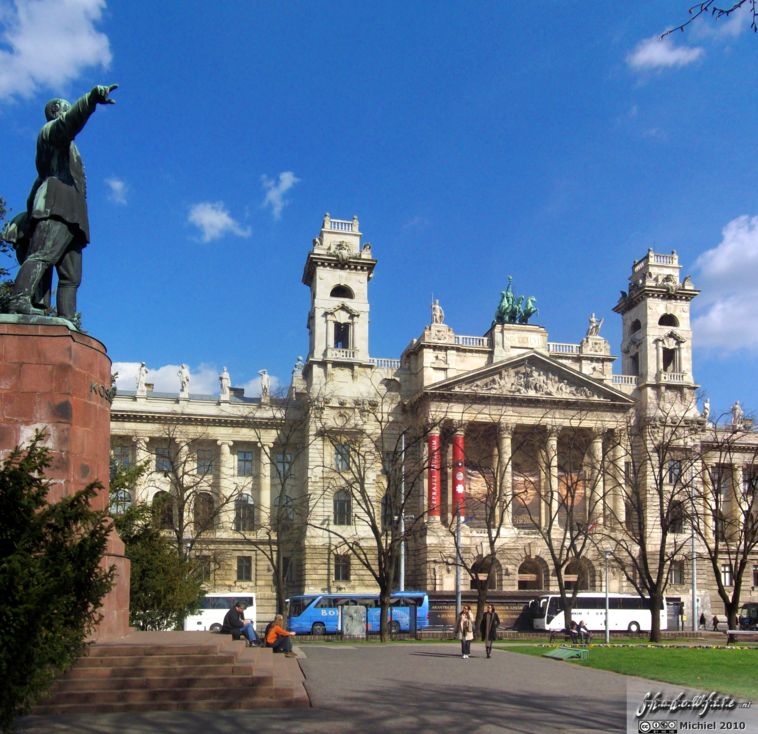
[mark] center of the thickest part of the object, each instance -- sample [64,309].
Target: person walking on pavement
[464,630]
[488,628]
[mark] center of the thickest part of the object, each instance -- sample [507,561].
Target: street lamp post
[457,563]
[402,513]
[607,555]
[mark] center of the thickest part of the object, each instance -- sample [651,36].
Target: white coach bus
[628,612]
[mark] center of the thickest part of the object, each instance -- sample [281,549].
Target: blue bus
[320,614]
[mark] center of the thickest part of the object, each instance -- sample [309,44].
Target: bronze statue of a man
[57,206]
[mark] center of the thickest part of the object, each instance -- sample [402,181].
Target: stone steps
[175,671]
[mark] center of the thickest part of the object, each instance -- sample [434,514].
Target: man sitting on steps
[236,624]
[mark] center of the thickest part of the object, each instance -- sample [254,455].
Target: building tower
[337,271]
[656,341]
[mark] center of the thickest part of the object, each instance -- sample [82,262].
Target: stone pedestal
[56,379]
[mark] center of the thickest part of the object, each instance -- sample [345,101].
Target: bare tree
[193,496]
[717,11]
[281,428]
[565,504]
[645,533]
[723,507]
[373,472]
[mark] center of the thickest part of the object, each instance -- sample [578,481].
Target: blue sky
[554,142]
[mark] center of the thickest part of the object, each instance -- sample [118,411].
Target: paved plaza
[403,688]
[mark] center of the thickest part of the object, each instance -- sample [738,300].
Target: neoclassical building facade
[534,458]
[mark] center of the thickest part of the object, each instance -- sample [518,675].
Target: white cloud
[214,221]
[118,190]
[45,44]
[727,315]
[275,191]
[661,53]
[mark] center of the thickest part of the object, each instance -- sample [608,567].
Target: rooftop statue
[512,309]
[57,221]
[594,326]
[438,315]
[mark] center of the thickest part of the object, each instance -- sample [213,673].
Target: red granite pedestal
[56,379]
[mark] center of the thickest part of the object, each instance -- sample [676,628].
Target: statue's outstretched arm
[72,122]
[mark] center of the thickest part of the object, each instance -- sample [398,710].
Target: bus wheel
[394,627]
[634,627]
[215,628]
[319,628]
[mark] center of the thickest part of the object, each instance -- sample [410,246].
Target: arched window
[163,507]
[121,501]
[203,511]
[532,574]
[244,513]
[635,326]
[668,319]
[341,291]
[481,568]
[343,508]
[579,573]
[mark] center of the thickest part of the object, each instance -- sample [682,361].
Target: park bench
[738,634]
[567,636]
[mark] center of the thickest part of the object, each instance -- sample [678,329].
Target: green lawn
[730,670]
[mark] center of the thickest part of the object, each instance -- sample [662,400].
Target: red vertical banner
[433,488]
[459,475]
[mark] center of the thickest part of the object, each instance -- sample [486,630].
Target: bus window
[325,603]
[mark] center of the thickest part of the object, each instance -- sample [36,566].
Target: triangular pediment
[531,375]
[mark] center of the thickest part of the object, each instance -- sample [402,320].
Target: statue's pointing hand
[102,92]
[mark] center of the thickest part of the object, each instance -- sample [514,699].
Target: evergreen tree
[51,580]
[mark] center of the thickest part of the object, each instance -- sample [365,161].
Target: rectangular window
[342,457]
[342,567]
[673,471]
[755,575]
[283,461]
[162,459]
[203,568]
[244,568]
[676,572]
[726,574]
[204,462]
[749,481]
[244,463]
[122,455]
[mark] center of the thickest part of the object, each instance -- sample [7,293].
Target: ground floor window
[342,567]
[244,568]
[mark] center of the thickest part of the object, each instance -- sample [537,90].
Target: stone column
[433,476]
[550,505]
[264,482]
[708,503]
[459,474]
[596,489]
[505,470]
[225,486]
[734,505]
[618,496]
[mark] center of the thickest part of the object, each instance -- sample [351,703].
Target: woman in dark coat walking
[488,628]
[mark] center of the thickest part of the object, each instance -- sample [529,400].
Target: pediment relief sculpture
[529,379]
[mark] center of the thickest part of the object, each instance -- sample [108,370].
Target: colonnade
[446,452]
